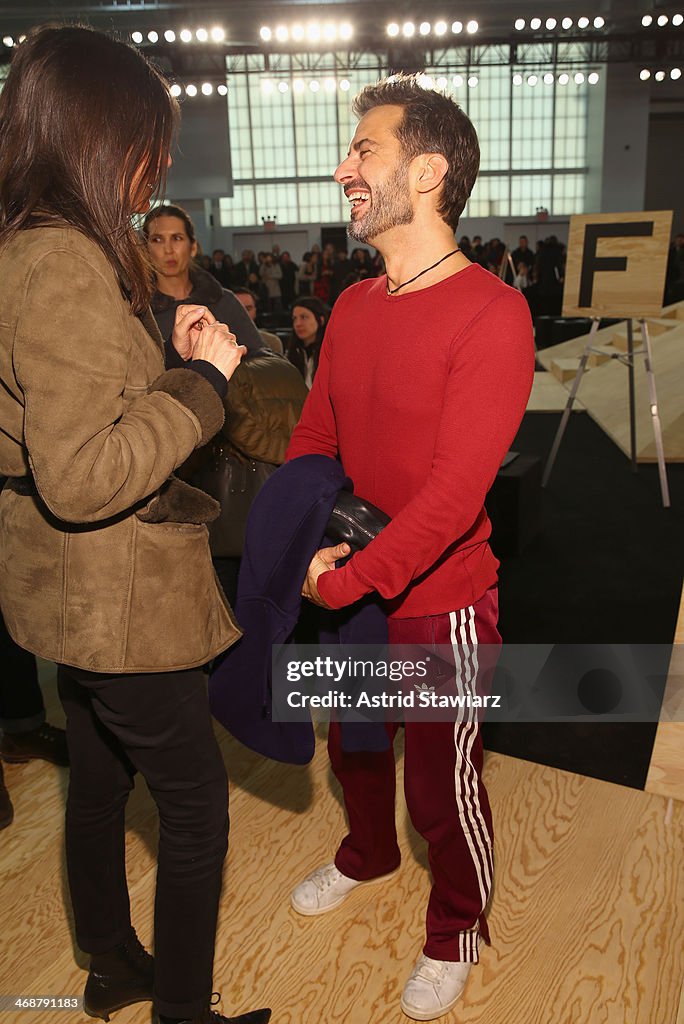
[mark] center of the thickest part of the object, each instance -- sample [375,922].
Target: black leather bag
[234,481]
[355,521]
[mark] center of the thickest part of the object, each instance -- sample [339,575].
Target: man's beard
[390,207]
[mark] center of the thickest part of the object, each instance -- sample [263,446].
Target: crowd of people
[324,272]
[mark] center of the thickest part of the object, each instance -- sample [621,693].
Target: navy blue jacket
[286,526]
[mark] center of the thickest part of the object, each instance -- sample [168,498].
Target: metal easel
[628,360]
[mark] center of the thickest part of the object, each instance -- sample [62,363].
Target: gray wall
[665,174]
[625,140]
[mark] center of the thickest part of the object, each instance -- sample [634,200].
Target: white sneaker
[434,987]
[324,889]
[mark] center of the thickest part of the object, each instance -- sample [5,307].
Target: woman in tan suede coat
[104,560]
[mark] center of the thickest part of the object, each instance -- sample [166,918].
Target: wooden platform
[549,395]
[666,771]
[586,919]
[604,387]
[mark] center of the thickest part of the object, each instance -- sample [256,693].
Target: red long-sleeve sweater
[421,396]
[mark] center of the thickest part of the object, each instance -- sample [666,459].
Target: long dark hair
[85,121]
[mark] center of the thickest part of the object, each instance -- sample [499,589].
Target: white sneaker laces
[429,970]
[325,877]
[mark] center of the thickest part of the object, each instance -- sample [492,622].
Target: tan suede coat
[104,560]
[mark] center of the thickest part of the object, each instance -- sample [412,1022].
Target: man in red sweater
[423,379]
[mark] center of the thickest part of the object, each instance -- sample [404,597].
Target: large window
[291,123]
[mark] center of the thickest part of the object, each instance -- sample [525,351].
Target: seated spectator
[309,319]
[249,300]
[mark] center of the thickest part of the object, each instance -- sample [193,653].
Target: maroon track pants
[445,795]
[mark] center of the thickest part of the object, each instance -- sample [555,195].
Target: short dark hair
[85,121]
[169,210]
[245,291]
[432,123]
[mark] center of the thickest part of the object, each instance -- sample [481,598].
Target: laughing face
[375,176]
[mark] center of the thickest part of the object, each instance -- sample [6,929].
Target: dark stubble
[390,207]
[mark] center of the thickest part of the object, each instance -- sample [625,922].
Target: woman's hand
[189,322]
[218,346]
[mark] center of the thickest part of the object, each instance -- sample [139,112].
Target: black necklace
[393,291]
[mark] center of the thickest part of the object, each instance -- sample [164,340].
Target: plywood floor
[587,917]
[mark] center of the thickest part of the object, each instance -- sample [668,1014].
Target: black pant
[159,725]
[21,702]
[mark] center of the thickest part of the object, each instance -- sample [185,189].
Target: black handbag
[355,521]
[234,481]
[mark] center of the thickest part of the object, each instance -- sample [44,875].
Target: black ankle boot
[122,976]
[209,1016]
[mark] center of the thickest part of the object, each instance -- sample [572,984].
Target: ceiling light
[298,85]
[582,23]
[563,79]
[535,24]
[663,20]
[675,74]
[267,87]
[440,28]
[314,86]
[345,85]
[186,35]
[599,22]
[170,36]
[137,37]
[551,24]
[222,90]
[207,88]
[265,33]
[313,32]
[647,20]
[424,28]
[659,76]
[532,80]
[677,19]
[201,35]
[408,29]
[153,36]
[579,78]
[393,29]
[472,27]
[519,24]
[283,87]
[472,81]
[7,41]
[593,78]
[217,34]
[456,27]
[175,90]
[330,85]
[282,34]
[425,81]
[346,31]
[566,23]
[441,83]
[330,32]
[458,81]
[644,74]
[548,78]
[297,33]
[517,79]
[191,90]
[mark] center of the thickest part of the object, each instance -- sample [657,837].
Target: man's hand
[323,561]
[189,323]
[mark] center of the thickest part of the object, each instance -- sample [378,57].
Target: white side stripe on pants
[464,645]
